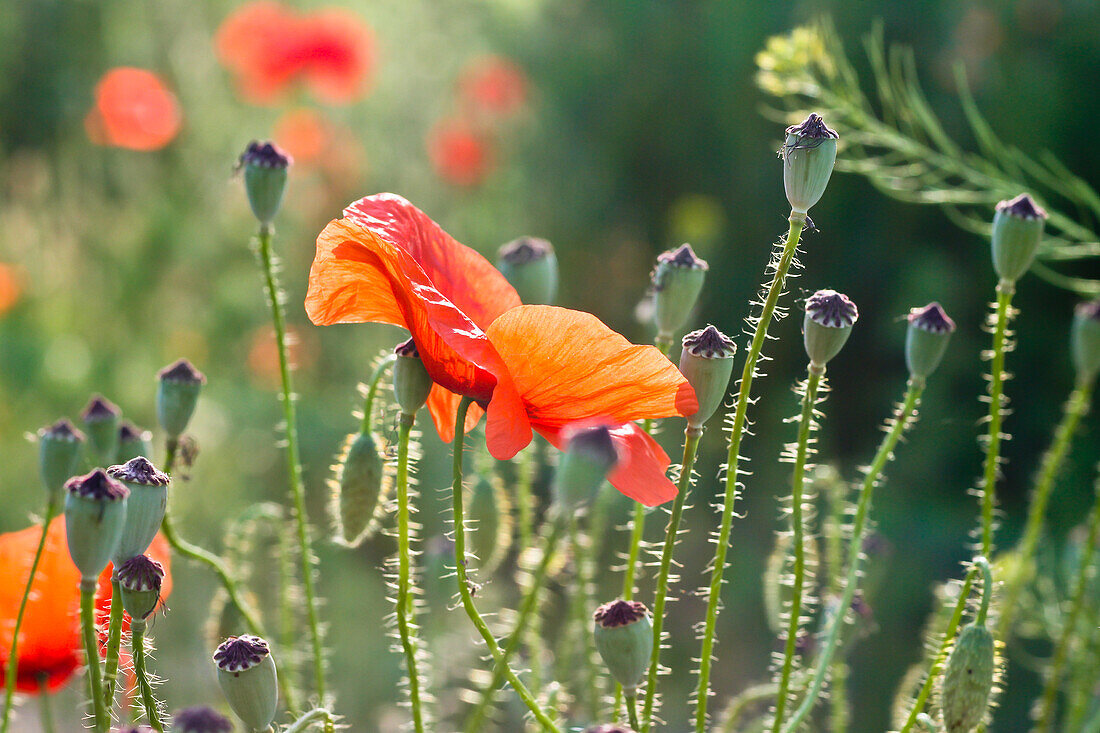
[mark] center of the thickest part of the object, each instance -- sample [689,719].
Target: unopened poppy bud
[246,673]
[829,319]
[1017,231]
[101,420]
[1085,341]
[144,509]
[808,154]
[58,452]
[707,362]
[968,679]
[264,167]
[133,442]
[95,512]
[178,387]
[530,265]
[677,281]
[411,383]
[359,476]
[590,454]
[624,639]
[140,579]
[926,340]
[200,719]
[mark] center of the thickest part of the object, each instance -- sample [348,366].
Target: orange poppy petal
[568,366]
[443,406]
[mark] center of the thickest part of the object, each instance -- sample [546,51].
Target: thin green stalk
[114,642]
[45,705]
[12,669]
[632,710]
[137,646]
[529,584]
[802,449]
[733,459]
[691,445]
[293,458]
[405,609]
[584,669]
[905,417]
[304,723]
[1005,289]
[91,654]
[1046,711]
[464,583]
[372,389]
[741,703]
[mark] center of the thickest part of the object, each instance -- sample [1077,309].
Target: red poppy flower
[133,109]
[49,642]
[10,288]
[536,367]
[459,153]
[494,84]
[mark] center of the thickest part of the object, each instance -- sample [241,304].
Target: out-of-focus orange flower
[303,133]
[528,367]
[49,640]
[270,47]
[133,109]
[494,84]
[10,288]
[263,354]
[460,154]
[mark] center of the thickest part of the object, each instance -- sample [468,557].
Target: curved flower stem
[114,643]
[137,646]
[691,445]
[293,458]
[733,459]
[302,724]
[741,703]
[91,654]
[465,585]
[12,669]
[405,610]
[1005,289]
[805,427]
[372,389]
[45,705]
[905,417]
[1045,715]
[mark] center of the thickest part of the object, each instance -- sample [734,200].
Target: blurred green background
[640,127]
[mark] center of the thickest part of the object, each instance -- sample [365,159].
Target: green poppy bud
[530,265]
[411,383]
[95,512]
[808,154]
[178,387]
[926,340]
[133,442]
[1017,231]
[140,579]
[246,673]
[1085,341]
[624,639]
[828,324]
[101,420]
[707,363]
[200,719]
[359,479]
[144,509]
[264,167]
[677,281]
[58,453]
[590,454]
[968,679]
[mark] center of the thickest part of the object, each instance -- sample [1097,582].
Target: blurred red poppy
[460,154]
[133,109]
[529,367]
[494,84]
[10,288]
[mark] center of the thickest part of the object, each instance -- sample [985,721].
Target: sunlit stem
[91,654]
[148,701]
[307,721]
[405,609]
[1005,289]
[372,389]
[114,642]
[45,705]
[632,710]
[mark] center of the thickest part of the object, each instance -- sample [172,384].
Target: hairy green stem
[405,608]
[733,459]
[528,584]
[137,646]
[114,642]
[372,389]
[91,654]
[304,723]
[632,711]
[45,705]
[741,703]
[1005,289]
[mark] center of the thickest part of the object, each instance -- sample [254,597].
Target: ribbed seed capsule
[590,454]
[677,281]
[530,265]
[411,383]
[140,579]
[624,639]
[178,388]
[1017,232]
[58,453]
[490,513]
[358,486]
[265,171]
[95,513]
[200,719]
[144,509]
[968,679]
[926,339]
[133,442]
[828,324]
[706,361]
[101,420]
[1085,341]
[808,154]
[246,673]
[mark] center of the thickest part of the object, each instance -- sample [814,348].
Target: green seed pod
[828,324]
[677,281]
[133,442]
[140,579]
[926,340]
[490,513]
[968,679]
[530,265]
[624,639]
[144,509]
[101,422]
[265,171]
[1017,232]
[411,383]
[200,719]
[808,154]
[58,453]
[707,362]
[590,454]
[95,513]
[358,486]
[178,387]
[246,673]
[1085,341]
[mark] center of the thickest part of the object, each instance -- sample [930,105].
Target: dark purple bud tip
[98,409]
[683,256]
[1023,206]
[181,371]
[62,430]
[609,728]
[876,545]
[525,250]
[135,729]
[709,343]
[832,309]
[931,318]
[97,486]
[1090,309]
[407,348]
[594,442]
[127,431]
[812,127]
[140,573]
[620,613]
[201,719]
[861,607]
[238,653]
[264,155]
[139,471]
